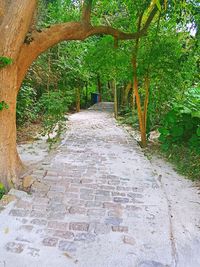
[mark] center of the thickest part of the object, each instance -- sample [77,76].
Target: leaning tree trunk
[21,42]
[10,163]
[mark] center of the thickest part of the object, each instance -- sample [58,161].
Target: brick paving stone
[88,237]
[115,213]
[113,182]
[20,204]
[50,241]
[38,214]
[53,215]
[86,181]
[72,190]
[102,198]
[96,212]
[34,252]
[40,200]
[118,194]
[136,189]
[24,239]
[26,228]
[133,208]
[93,186]
[56,207]
[93,204]
[64,234]
[115,221]
[111,205]
[77,210]
[37,186]
[107,187]
[39,207]
[79,226]
[124,188]
[129,240]
[62,226]
[120,228]
[134,195]
[67,246]
[101,228]
[86,196]
[70,195]
[58,188]
[15,247]
[121,199]
[19,213]
[103,192]
[38,222]
[54,195]
[86,191]
[74,202]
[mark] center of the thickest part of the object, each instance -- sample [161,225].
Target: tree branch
[86,13]
[48,37]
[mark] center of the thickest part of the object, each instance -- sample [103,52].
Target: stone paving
[98,202]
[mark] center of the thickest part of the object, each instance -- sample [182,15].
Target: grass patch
[186,161]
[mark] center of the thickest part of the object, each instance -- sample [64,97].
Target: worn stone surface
[50,241]
[98,202]
[6,199]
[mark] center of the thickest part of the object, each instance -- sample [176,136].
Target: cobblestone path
[98,202]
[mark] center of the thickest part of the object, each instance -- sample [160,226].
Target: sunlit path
[98,202]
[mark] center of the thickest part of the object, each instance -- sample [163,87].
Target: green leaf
[196,114]
[165,146]
[5,61]
[198,131]
[157,3]
[163,131]
[2,186]
[177,131]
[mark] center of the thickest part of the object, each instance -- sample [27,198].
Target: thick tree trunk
[115,98]
[78,99]
[10,163]
[140,113]
[99,85]
[126,93]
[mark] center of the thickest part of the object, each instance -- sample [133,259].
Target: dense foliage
[167,58]
[181,125]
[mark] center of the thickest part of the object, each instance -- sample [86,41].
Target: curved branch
[48,37]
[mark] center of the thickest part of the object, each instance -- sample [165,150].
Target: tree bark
[126,93]
[99,85]
[78,99]
[115,98]
[146,101]
[10,163]
[139,109]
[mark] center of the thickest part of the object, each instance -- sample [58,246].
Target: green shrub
[53,106]
[182,124]
[2,190]
[26,105]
